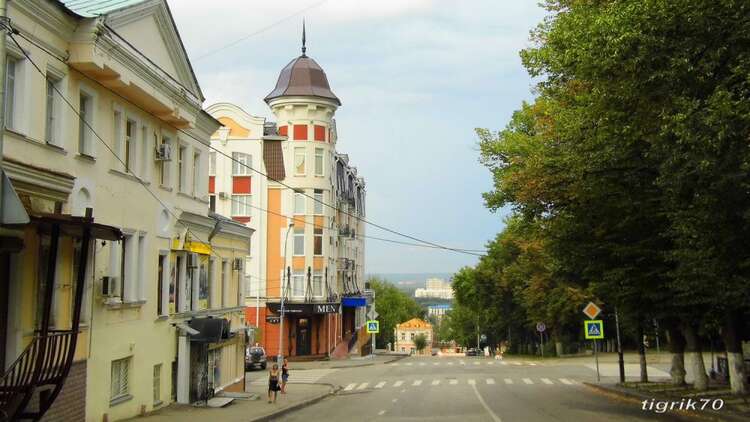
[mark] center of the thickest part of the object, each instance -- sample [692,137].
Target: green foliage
[420,342]
[393,307]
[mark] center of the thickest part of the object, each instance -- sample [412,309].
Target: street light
[280,357]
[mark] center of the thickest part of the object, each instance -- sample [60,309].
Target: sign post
[593,329]
[541,327]
[373,326]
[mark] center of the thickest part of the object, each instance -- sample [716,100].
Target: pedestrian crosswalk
[303,376]
[470,363]
[437,382]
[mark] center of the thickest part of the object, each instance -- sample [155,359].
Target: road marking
[516,363]
[422,364]
[450,363]
[396,364]
[453,382]
[362,386]
[380,384]
[531,363]
[435,382]
[417,382]
[462,363]
[490,381]
[547,381]
[403,390]
[381,413]
[436,363]
[350,387]
[394,400]
[490,363]
[409,364]
[487,408]
[477,363]
[528,381]
[503,363]
[398,383]
[565,381]
[508,381]
[472,382]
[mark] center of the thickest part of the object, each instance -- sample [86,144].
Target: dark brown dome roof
[302,77]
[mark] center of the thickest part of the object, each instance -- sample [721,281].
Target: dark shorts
[273,385]
[285,377]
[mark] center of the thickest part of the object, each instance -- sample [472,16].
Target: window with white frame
[196,173]
[145,154]
[129,146]
[241,164]
[318,241]
[298,283]
[212,163]
[52,112]
[299,203]
[299,241]
[11,77]
[119,383]
[85,121]
[317,283]
[164,166]
[318,199]
[299,161]
[127,263]
[241,205]
[181,153]
[319,161]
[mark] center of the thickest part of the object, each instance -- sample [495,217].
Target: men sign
[373,327]
[594,329]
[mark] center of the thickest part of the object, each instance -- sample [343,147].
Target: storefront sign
[273,319]
[354,302]
[305,309]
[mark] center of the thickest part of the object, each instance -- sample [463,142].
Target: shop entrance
[304,338]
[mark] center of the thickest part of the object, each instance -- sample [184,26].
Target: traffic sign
[591,310]
[540,327]
[483,337]
[594,329]
[373,327]
[372,314]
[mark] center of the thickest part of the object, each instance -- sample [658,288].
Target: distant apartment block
[435,288]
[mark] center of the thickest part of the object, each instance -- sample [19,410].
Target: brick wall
[70,405]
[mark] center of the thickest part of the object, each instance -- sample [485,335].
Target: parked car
[472,352]
[255,356]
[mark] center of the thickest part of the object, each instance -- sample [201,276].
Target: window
[224,283]
[203,282]
[212,164]
[174,282]
[299,161]
[318,241]
[241,205]
[298,283]
[160,286]
[241,164]
[299,241]
[317,283]
[181,169]
[212,203]
[85,111]
[412,336]
[157,384]
[299,203]
[50,128]
[164,165]
[143,146]
[129,146]
[318,205]
[196,173]
[403,336]
[319,161]
[119,388]
[10,92]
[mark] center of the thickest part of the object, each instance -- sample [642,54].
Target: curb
[271,416]
[682,415]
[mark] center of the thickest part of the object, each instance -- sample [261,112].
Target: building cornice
[50,15]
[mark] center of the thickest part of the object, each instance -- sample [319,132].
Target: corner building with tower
[305,292]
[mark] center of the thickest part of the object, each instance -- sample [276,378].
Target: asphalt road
[465,389]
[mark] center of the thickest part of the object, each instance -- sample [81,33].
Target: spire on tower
[303,38]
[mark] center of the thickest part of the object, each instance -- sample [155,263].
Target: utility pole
[5,22]
[280,357]
[620,359]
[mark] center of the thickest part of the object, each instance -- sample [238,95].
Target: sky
[415,79]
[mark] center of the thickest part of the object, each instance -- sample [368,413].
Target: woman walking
[273,382]
[284,375]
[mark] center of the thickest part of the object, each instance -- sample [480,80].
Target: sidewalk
[245,410]
[351,362]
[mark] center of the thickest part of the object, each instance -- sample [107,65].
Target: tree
[393,307]
[420,342]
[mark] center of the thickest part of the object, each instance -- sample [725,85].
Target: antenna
[304,49]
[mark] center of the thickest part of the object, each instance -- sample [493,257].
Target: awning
[11,208]
[305,309]
[210,330]
[72,226]
[354,302]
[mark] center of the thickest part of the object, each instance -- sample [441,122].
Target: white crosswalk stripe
[450,363]
[462,362]
[362,386]
[302,376]
[528,381]
[565,381]
[380,384]
[417,382]
[409,364]
[531,363]
[503,363]
[398,383]
[435,382]
[490,363]
[472,382]
[508,381]
[350,387]
[490,381]
[469,381]
[516,363]
[436,363]
[477,363]
[547,381]
[422,364]
[453,382]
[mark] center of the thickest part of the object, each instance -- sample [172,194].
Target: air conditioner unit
[192,261]
[109,286]
[223,195]
[163,153]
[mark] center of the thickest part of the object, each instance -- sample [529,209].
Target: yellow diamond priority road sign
[591,310]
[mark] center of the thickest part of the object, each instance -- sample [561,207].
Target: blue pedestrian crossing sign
[594,329]
[373,326]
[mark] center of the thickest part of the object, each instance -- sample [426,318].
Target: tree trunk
[677,348]
[558,348]
[695,357]
[733,344]
[642,353]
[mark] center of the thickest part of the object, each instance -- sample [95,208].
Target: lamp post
[280,357]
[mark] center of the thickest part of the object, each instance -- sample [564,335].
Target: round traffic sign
[540,327]
[483,337]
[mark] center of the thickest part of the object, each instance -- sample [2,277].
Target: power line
[208,145]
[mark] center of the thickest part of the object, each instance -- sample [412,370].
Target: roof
[414,323]
[273,158]
[303,76]
[94,8]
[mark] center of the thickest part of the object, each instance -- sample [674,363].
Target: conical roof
[303,76]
